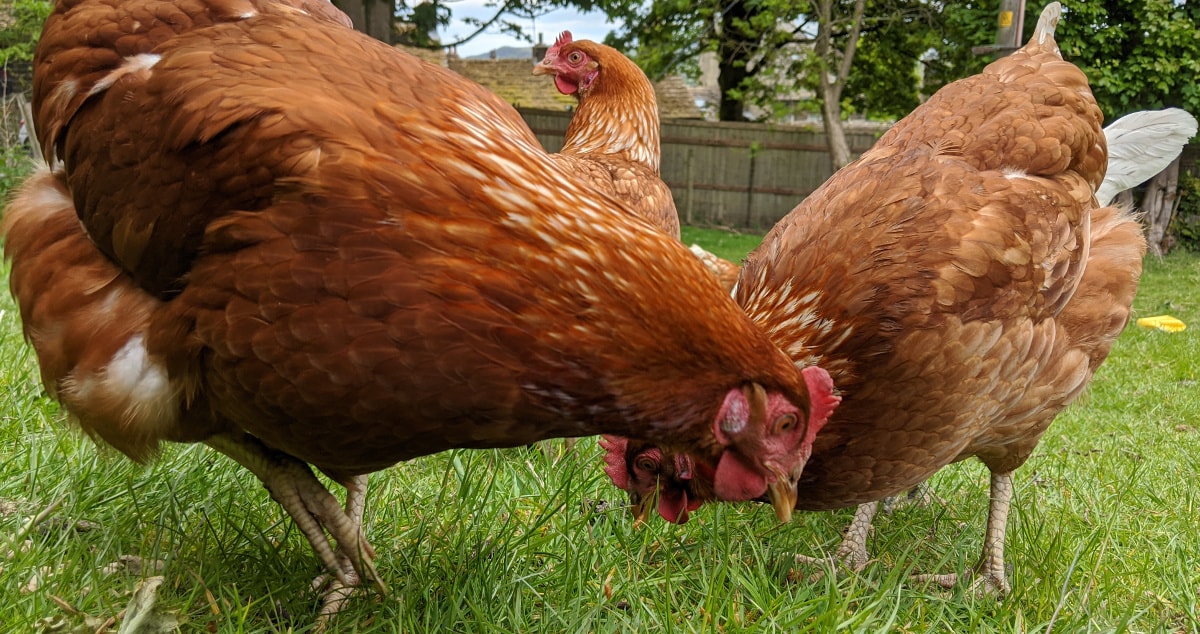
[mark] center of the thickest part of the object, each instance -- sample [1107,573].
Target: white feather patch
[131,378]
[133,64]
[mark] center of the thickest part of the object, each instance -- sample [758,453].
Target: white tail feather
[1140,145]
[1047,23]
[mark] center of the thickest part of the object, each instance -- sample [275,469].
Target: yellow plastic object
[1162,322]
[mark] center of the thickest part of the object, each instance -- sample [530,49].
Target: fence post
[688,207]
[27,115]
[750,186]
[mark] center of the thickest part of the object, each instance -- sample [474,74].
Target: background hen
[269,233]
[958,281]
[613,138]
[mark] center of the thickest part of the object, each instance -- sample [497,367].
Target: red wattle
[736,481]
[564,86]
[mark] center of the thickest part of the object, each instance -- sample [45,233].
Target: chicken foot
[338,590]
[852,552]
[313,508]
[989,573]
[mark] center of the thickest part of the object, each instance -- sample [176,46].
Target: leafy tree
[959,27]
[422,21]
[1138,54]
[766,48]
[20,27]
[885,82]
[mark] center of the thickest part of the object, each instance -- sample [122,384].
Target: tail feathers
[1043,34]
[88,324]
[1140,145]
[1101,306]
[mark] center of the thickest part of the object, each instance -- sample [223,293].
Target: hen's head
[577,66]
[637,468]
[683,484]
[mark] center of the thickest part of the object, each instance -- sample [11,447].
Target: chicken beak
[783,493]
[543,68]
[642,507]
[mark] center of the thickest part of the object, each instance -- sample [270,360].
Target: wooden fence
[741,175]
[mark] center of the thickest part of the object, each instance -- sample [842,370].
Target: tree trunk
[1159,205]
[373,17]
[835,69]
[835,131]
[733,49]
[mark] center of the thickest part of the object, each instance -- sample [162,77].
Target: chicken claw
[989,574]
[314,510]
[336,591]
[852,552]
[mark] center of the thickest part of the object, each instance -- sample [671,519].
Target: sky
[583,26]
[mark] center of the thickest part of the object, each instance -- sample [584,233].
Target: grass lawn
[1103,536]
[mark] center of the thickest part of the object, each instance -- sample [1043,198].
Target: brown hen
[613,138]
[267,232]
[959,282]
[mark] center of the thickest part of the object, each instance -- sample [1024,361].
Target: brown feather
[355,256]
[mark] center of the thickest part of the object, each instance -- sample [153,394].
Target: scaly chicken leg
[852,552]
[989,574]
[315,511]
[336,590]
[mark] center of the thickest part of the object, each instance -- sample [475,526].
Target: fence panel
[740,175]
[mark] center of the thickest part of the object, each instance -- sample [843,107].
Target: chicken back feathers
[613,139]
[957,281]
[289,229]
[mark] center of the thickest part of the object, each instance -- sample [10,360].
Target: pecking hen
[267,232]
[613,138]
[959,282]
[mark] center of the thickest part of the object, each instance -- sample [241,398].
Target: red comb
[823,400]
[614,456]
[563,38]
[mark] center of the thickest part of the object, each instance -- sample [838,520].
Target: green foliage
[663,37]
[21,28]
[884,82]
[1185,224]
[960,27]
[423,20]
[1138,54]
[16,161]
[15,165]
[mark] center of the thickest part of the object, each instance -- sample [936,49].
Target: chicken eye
[646,463]
[785,423]
[575,57]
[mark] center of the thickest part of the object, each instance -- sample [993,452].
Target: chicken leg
[338,590]
[315,511]
[989,573]
[852,552]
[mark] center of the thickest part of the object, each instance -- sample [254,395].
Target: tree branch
[483,26]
